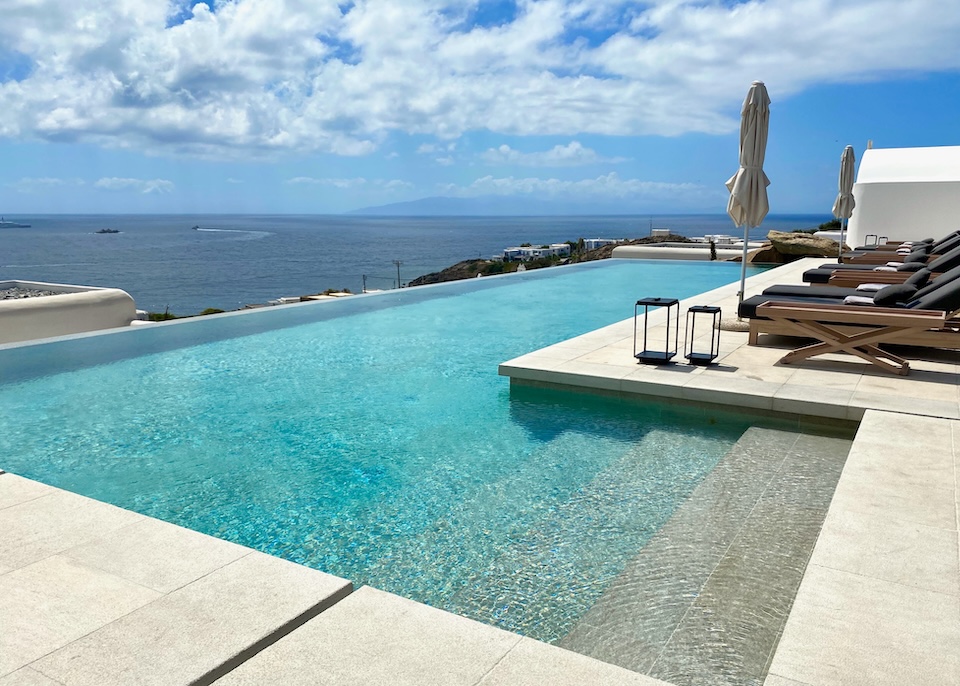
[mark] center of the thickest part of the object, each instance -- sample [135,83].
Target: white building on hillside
[906,193]
[531,252]
[594,243]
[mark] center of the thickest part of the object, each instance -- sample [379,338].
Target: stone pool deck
[92,594]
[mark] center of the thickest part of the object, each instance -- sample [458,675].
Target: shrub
[161,316]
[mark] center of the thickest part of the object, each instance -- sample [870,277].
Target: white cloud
[356,182]
[606,186]
[397,185]
[145,186]
[571,155]
[233,180]
[336,183]
[34,184]
[255,78]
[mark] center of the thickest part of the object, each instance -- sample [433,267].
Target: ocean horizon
[229,261]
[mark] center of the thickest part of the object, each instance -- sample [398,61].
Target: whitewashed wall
[906,193]
[75,309]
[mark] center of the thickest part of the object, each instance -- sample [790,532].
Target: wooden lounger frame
[879,257]
[851,278]
[855,330]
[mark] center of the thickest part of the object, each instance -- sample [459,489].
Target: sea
[183,264]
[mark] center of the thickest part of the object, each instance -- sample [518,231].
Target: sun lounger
[868,283]
[939,248]
[893,245]
[925,320]
[943,263]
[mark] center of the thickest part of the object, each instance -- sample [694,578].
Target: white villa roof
[899,165]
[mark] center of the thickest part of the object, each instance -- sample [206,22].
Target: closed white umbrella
[844,204]
[748,187]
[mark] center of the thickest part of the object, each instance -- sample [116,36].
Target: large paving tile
[200,630]
[27,677]
[902,552]
[776,680]
[910,386]
[645,384]
[535,360]
[582,375]
[15,490]
[909,502]
[731,390]
[902,450]
[373,637]
[822,379]
[906,404]
[812,400]
[37,528]
[849,629]
[532,662]
[50,603]
[158,555]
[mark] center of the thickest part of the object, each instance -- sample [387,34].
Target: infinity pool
[372,438]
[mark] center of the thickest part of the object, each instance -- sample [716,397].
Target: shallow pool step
[549,569]
[706,599]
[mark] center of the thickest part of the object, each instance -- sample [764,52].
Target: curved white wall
[62,314]
[905,211]
[906,194]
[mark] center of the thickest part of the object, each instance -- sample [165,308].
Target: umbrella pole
[843,224]
[743,268]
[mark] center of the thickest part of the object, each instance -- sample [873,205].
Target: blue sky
[310,106]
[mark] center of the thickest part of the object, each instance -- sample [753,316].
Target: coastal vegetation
[470,269]
[167,315]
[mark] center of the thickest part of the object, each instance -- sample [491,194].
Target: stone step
[550,571]
[704,602]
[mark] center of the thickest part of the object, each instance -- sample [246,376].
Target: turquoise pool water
[372,438]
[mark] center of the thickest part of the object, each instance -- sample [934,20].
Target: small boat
[4,224]
[195,227]
[108,231]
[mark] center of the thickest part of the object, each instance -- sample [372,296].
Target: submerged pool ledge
[833,387]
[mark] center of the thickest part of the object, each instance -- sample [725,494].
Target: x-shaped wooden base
[826,324]
[862,345]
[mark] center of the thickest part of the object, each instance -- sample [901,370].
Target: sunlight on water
[383,447]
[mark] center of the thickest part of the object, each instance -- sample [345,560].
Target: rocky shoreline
[469,269]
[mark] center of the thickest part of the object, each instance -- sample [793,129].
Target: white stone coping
[73,309]
[837,386]
[94,594]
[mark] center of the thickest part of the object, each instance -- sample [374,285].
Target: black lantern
[693,314]
[645,355]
